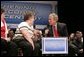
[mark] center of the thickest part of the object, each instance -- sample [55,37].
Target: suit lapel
[50,31]
[58,28]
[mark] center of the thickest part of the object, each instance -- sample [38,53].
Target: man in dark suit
[55,29]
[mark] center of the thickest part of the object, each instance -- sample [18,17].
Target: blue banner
[15,9]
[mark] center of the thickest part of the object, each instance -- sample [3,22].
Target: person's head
[53,18]
[2,14]
[78,35]
[72,36]
[29,17]
[10,33]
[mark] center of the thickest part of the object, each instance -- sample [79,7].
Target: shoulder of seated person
[22,24]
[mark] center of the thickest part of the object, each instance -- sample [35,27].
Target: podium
[52,45]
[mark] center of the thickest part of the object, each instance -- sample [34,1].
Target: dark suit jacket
[62,30]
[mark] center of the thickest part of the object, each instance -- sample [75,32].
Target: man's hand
[37,32]
[37,35]
[46,31]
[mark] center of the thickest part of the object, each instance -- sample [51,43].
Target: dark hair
[27,15]
[2,11]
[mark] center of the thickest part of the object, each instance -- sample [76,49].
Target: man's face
[51,20]
[78,35]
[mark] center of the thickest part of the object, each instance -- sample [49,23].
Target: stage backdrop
[15,9]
